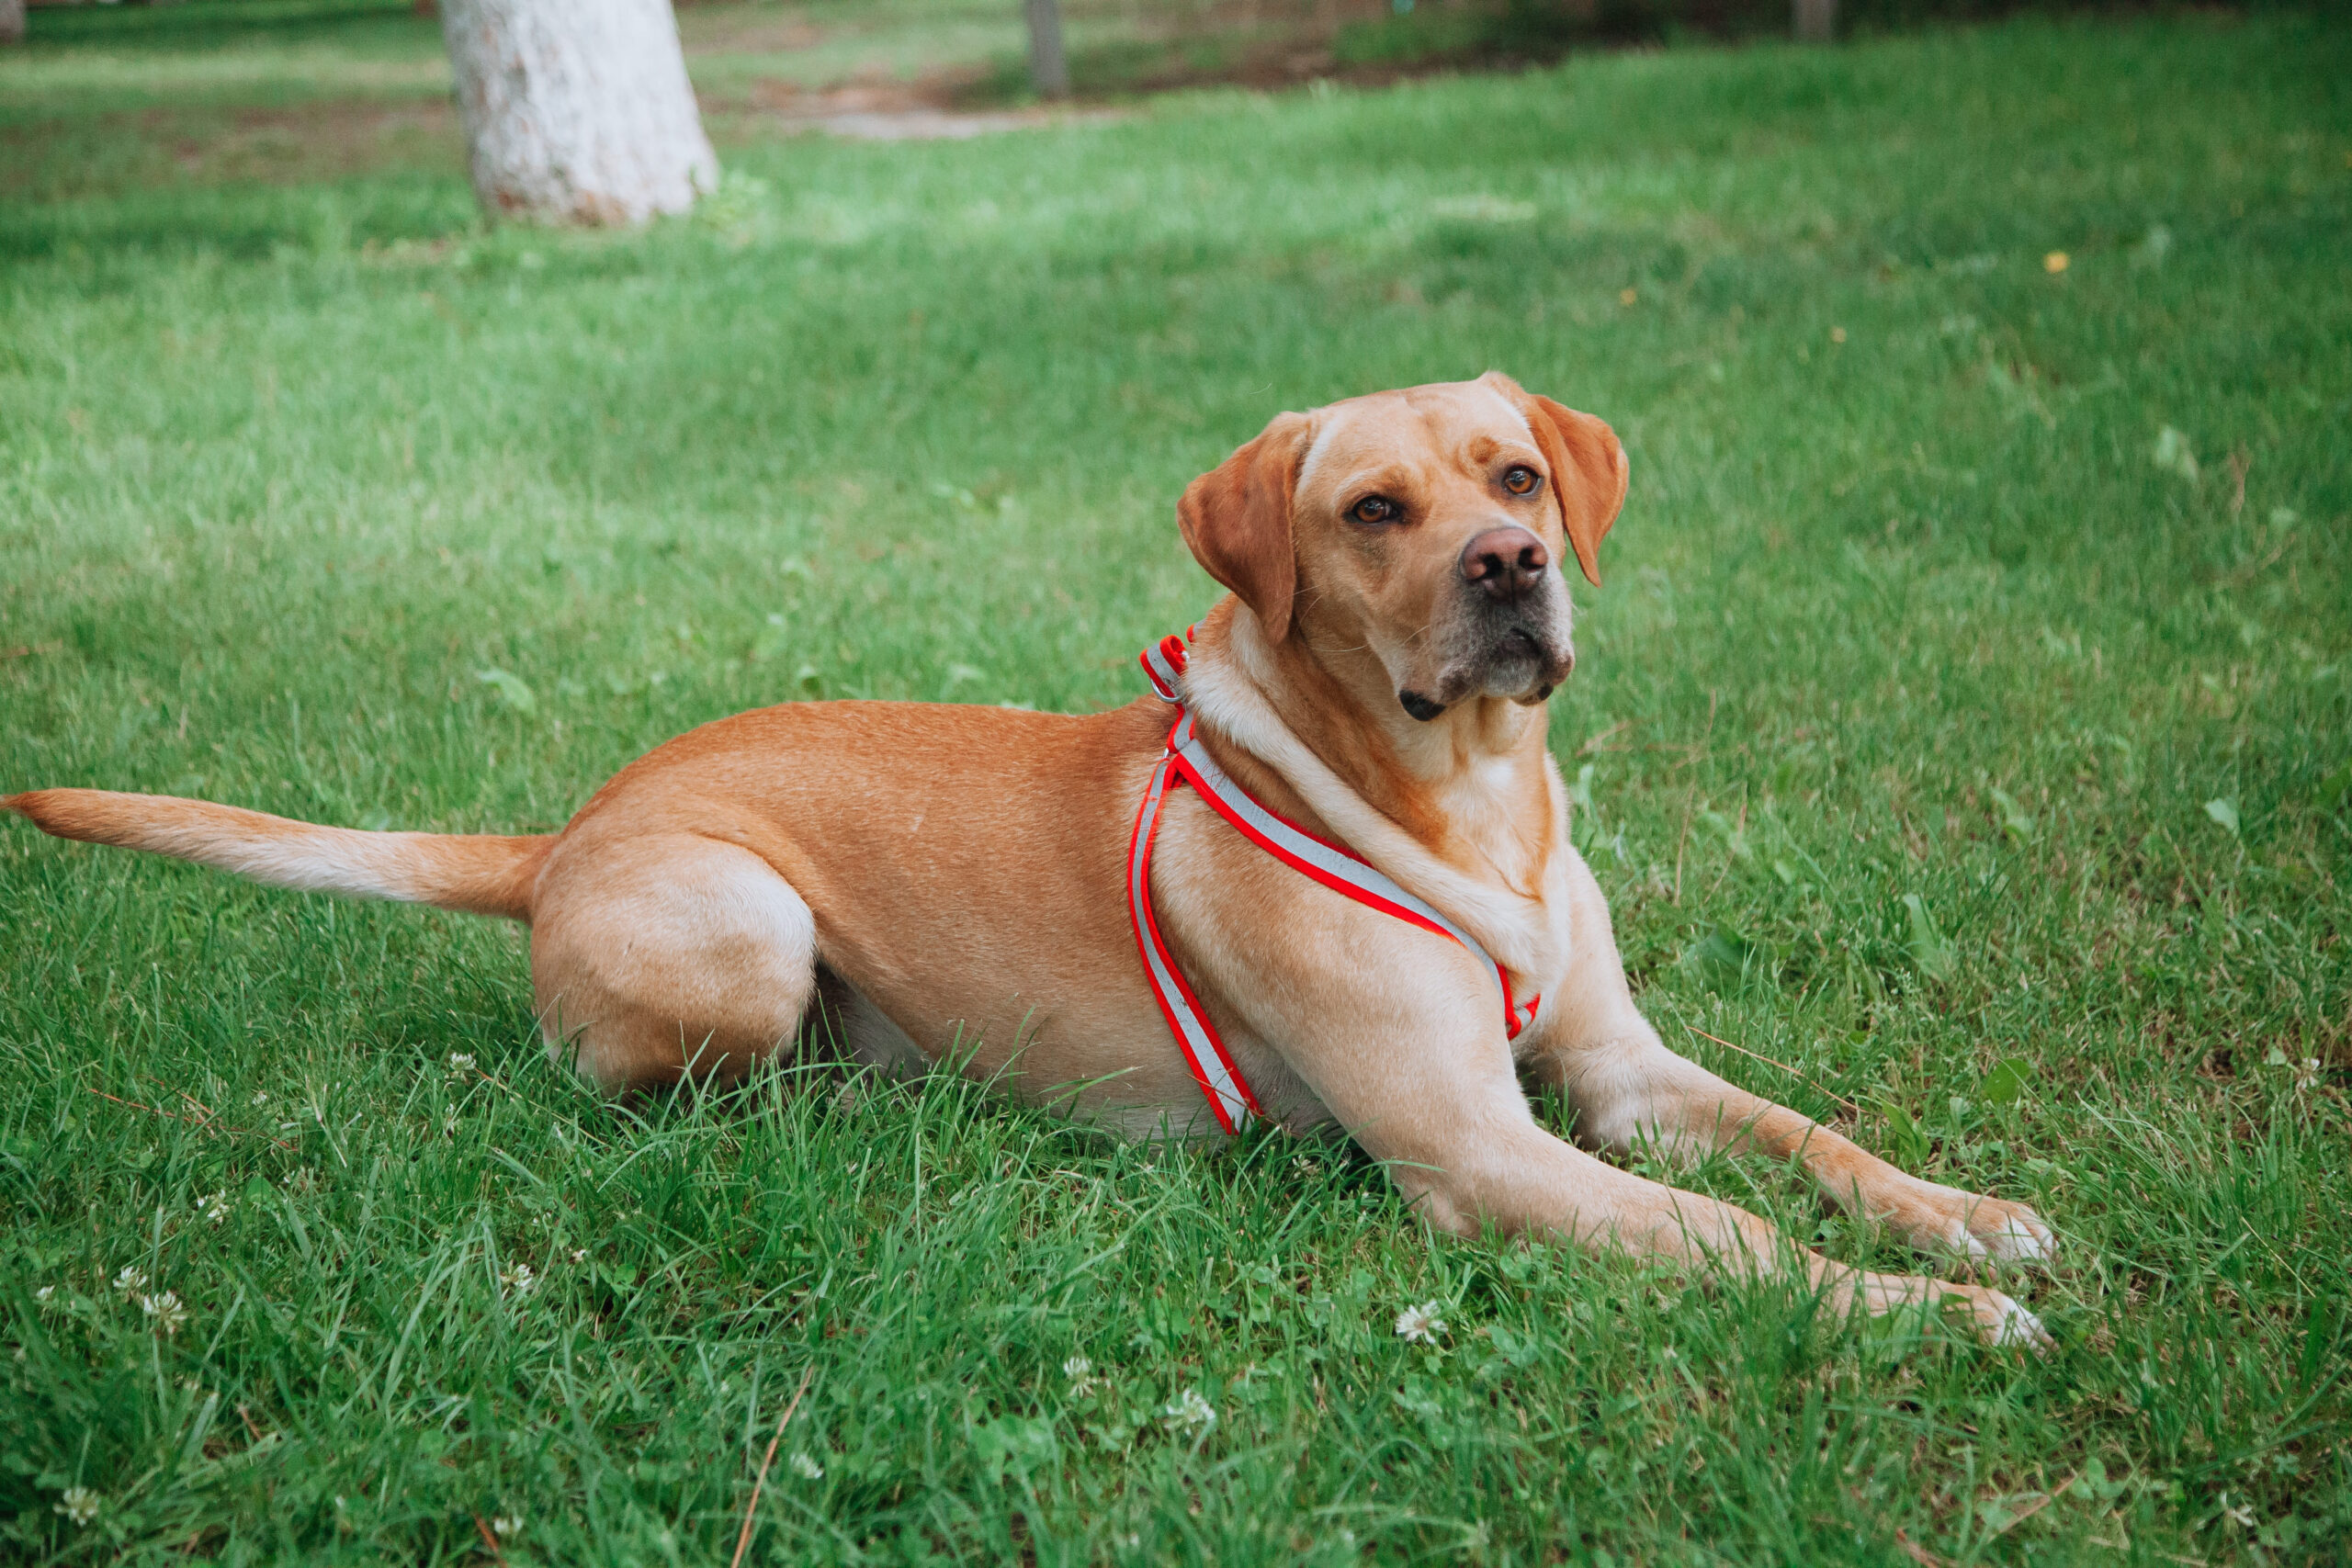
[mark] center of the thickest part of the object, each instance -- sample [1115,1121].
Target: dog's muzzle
[1511,634]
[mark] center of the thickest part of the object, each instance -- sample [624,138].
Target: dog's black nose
[1504,563]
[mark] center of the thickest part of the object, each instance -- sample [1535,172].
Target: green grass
[287,464]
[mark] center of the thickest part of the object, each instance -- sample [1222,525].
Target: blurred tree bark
[1048,66]
[577,111]
[12,21]
[1817,20]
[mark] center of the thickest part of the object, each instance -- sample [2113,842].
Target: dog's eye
[1375,509]
[1521,480]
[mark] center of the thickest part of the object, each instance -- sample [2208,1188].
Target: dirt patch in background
[59,160]
[62,160]
[756,32]
[884,71]
[932,110]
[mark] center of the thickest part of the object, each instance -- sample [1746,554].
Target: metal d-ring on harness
[1186,761]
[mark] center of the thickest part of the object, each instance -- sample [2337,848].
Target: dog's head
[1425,525]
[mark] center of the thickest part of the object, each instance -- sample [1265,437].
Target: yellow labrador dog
[1365,911]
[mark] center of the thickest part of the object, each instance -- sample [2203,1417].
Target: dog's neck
[1465,810]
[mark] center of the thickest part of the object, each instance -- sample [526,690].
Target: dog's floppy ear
[1236,520]
[1589,470]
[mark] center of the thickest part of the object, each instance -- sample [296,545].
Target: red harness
[1186,761]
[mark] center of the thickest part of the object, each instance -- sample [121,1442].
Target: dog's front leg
[1627,1086]
[1526,1181]
[1415,1065]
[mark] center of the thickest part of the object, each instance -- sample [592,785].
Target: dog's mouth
[1518,646]
[1517,663]
[1421,707]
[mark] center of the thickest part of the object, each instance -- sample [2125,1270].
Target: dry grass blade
[202,1125]
[1771,1063]
[1918,1554]
[2035,1506]
[751,1509]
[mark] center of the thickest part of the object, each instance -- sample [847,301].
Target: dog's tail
[481,874]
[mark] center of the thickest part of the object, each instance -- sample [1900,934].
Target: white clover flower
[45,1294]
[460,1067]
[80,1504]
[2307,1073]
[215,1208]
[806,1468]
[1081,1372]
[448,1121]
[505,1523]
[1419,1324]
[261,1097]
[169,1315]
[580,1255]
[1188,1412]
[521,1279]
[131,1277]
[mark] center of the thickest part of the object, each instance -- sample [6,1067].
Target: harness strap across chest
[1186,761]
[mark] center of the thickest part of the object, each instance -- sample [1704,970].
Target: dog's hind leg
[656,956]
[851,1029]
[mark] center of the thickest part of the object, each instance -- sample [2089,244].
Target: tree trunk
[12,21]
[1817,20]
[1048,67]
[577,111]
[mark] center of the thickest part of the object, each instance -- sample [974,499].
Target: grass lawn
[1948,733]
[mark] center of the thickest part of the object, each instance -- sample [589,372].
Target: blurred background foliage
[973,49]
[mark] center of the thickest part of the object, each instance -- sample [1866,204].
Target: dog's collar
[1183,760]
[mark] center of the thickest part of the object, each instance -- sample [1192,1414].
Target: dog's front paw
[1971,1225]
[1992,1316]
[2009,1232]
[1999,1320]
